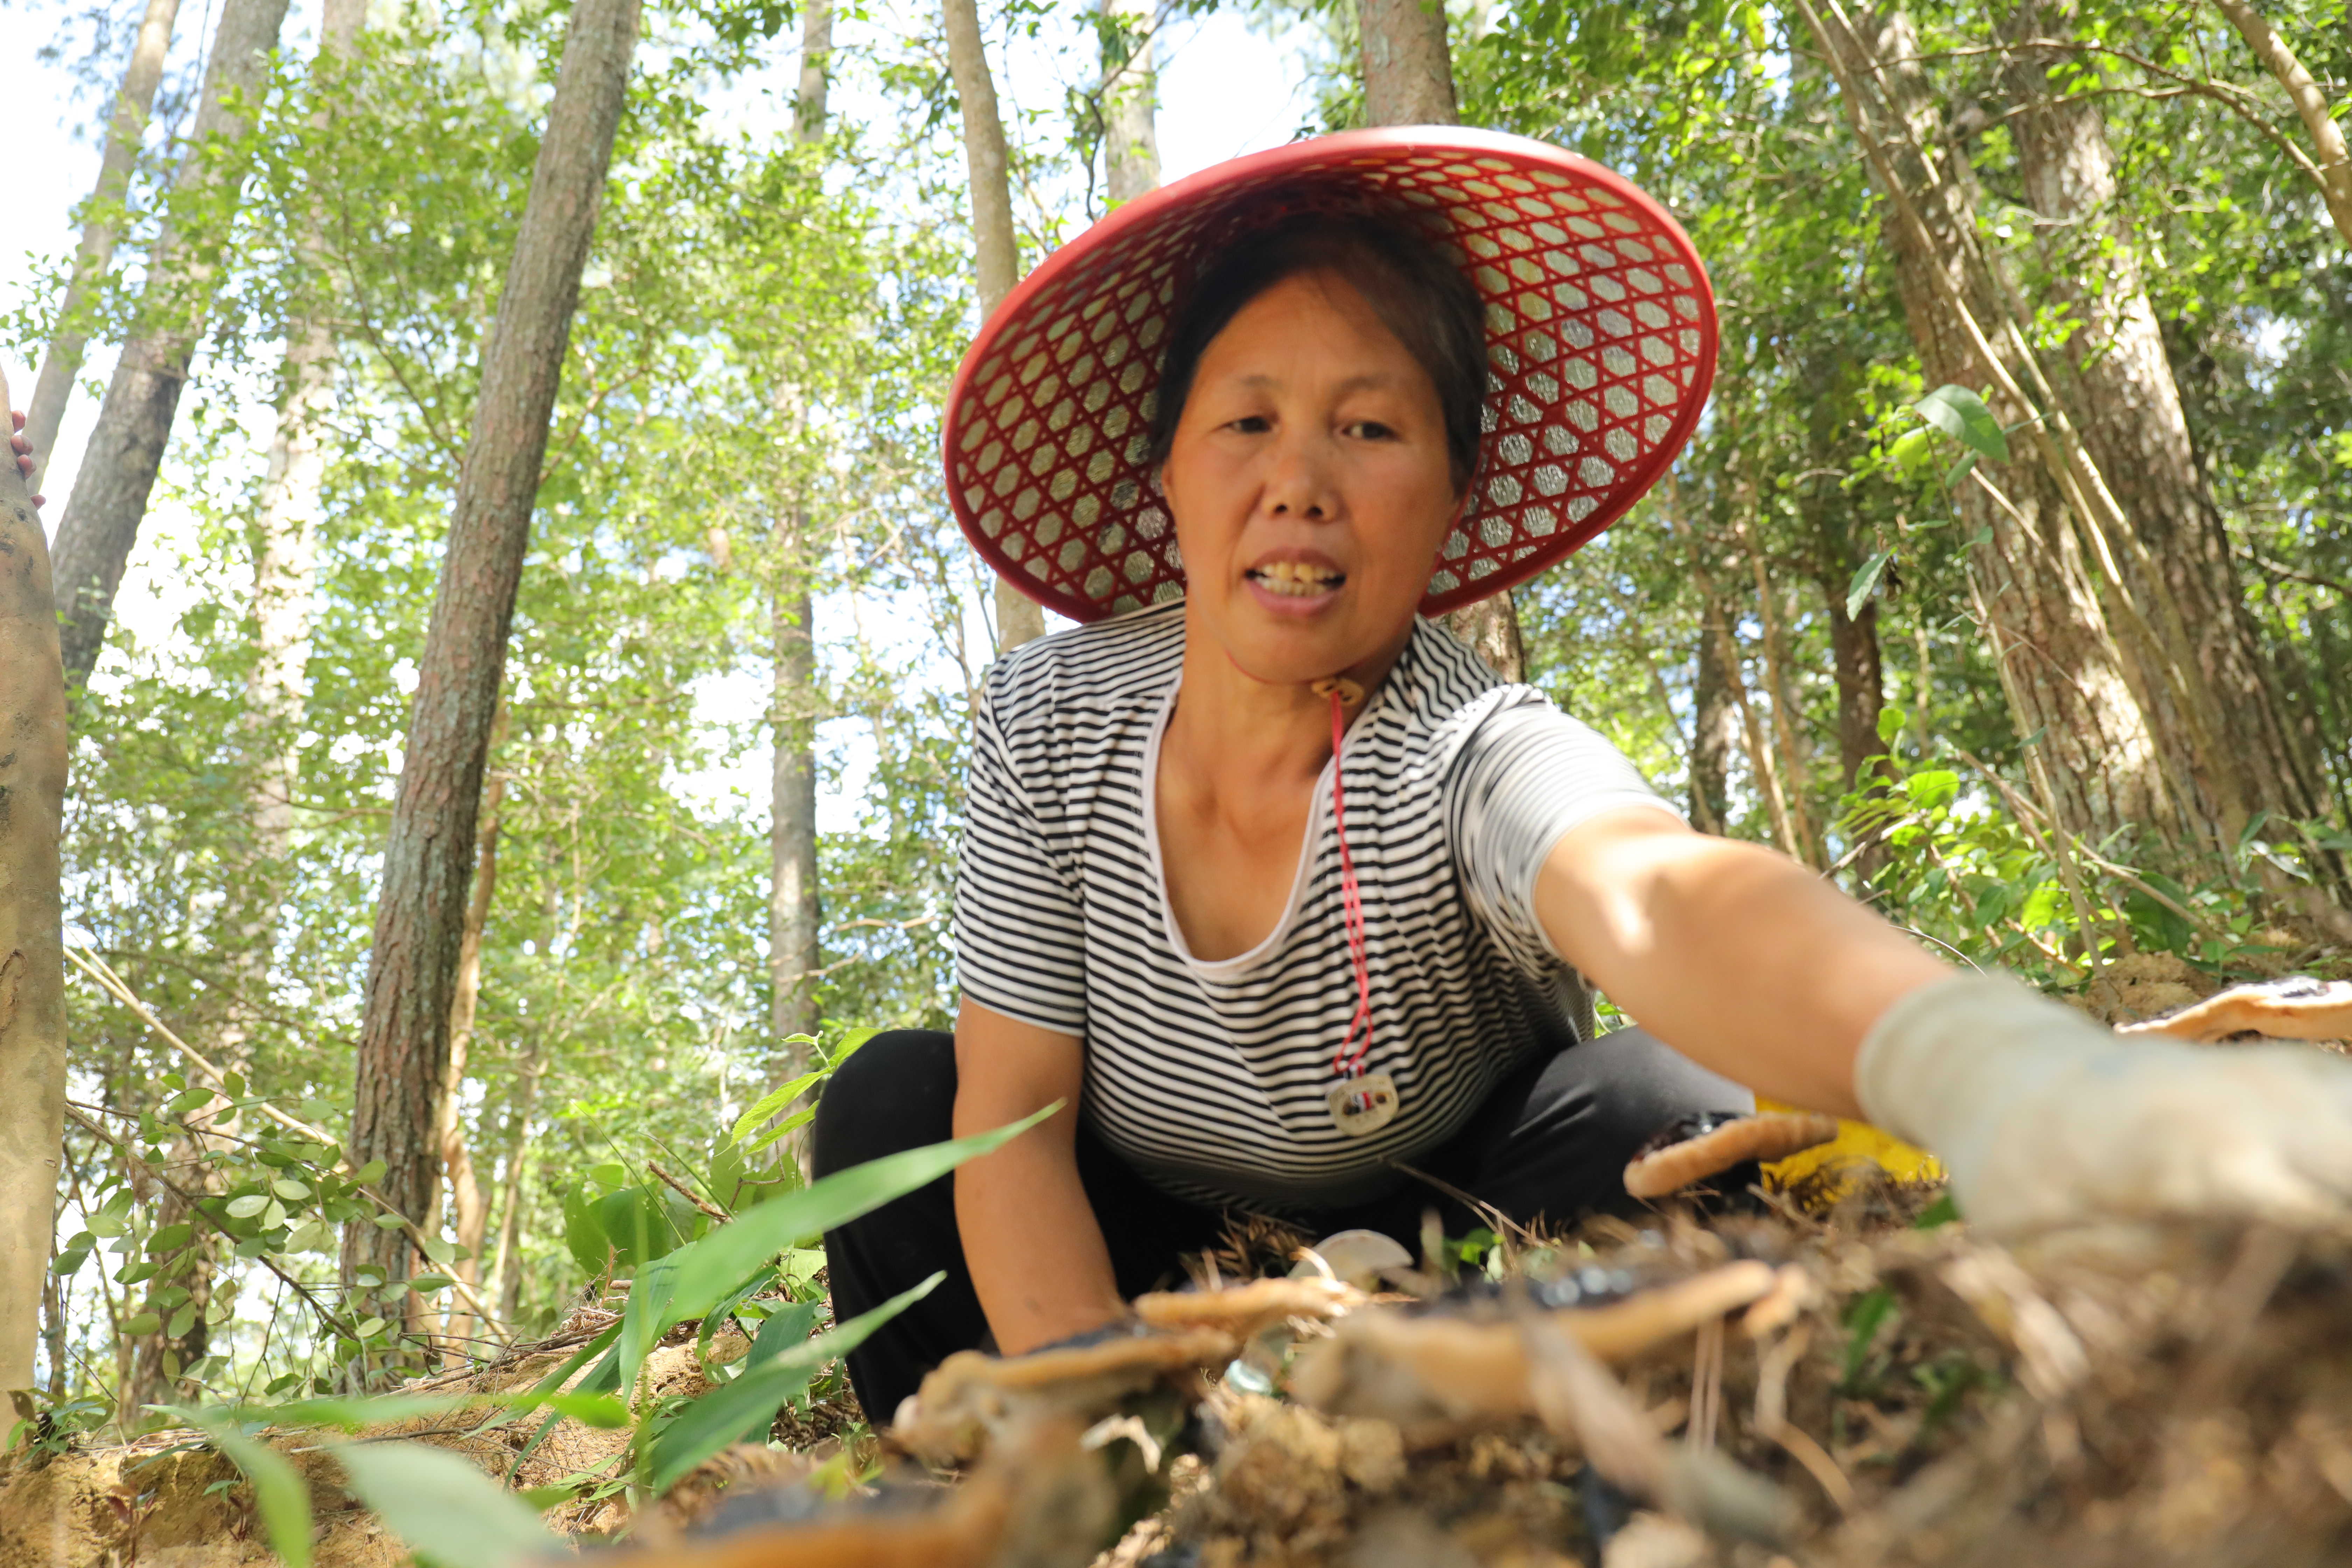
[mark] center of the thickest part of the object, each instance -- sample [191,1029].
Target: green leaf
[389,1222]
[732,1413]
[187,1101]
[1958,471]
[293,1191]
[183,1320]
[280,1494]
[1962,415]
[370,1328]
[784,1129]
[689,1282]
[443,1508]
[1866,581]
[248,1205]
[367,1175]
[1891,720]
[1942,1212]
[144,1324]
[781,1332]
[767,1105]
[1932,788]
[169,1238]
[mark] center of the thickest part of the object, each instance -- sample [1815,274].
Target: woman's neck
[1239,734]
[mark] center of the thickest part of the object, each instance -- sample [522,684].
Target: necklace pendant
[1362,1106]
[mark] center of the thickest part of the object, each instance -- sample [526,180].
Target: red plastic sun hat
[1601,341]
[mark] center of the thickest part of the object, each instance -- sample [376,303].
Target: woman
[1293,904]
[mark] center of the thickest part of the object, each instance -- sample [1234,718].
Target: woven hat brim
[1602,343]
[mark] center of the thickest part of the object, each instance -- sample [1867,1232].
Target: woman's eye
[1250,424]
[1371,430]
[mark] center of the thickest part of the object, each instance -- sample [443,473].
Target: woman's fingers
[23,451]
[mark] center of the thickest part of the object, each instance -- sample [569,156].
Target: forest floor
[2142,1394]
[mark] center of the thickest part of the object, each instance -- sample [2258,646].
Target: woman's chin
[1293,651]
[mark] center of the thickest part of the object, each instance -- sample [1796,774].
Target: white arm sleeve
[1019,930]
[1527,775]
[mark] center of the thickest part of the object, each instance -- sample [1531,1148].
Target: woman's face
[1309,484]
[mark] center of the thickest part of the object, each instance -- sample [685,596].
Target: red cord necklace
[1362,1102]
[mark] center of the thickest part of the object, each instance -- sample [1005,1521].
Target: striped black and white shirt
[1211,1077]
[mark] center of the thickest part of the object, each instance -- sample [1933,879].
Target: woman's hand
[23,453]
[1030,1237]
[2044,1116]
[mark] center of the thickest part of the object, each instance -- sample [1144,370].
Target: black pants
[1551,1141]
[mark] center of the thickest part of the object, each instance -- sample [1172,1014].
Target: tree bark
[1715,731]
[1408,70]
[1861,681]
[1129,95]
[101,227]
[796,952]
[2136,432]
[468,1210]
[1409,81]
[996,256]
[32,918]
[428,858]
[134,423]
[2064,676]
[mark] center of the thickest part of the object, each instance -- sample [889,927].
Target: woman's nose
[1300,482]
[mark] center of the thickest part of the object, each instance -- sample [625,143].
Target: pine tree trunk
[101,229]
[32,917]
[796,952]
[2134,427]
[428,858]
[1129,96]
[469,1209]
[1409,81]
[134,423]
[2066,681]
[996,255]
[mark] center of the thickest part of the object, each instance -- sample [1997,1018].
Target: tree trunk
[507,1287]
[996,256]
[468,1213]
[2065,679]
[1129,95]
[428,857]
[2135,429]
[32,917]
[1409,81]
[1715,731]
[101,227]
[134,423]
[794,909]
[1408,70]
[1861,681]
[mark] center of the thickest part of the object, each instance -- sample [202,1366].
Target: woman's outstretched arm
[1030,1237]
[1739,958]
[1749,963]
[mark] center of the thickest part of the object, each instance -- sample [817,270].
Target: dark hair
[1418,294]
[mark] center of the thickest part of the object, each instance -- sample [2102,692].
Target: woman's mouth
[1297,579]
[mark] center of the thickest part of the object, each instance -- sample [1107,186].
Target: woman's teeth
[1297,578]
